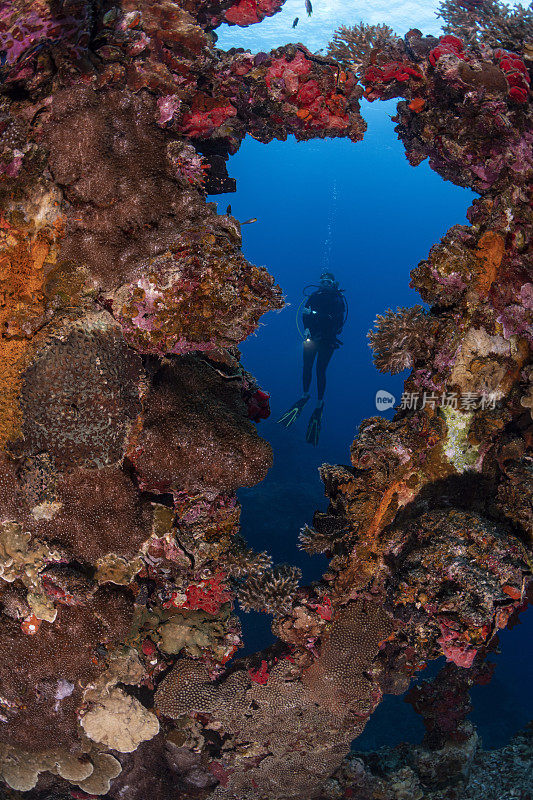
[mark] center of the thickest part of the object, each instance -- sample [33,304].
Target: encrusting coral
[127,418]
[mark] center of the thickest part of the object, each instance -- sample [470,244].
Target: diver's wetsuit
[323,316]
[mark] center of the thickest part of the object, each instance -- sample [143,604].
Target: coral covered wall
[127,418]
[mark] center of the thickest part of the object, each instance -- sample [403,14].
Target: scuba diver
[324,315]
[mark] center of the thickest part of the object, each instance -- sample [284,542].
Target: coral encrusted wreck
[127,417]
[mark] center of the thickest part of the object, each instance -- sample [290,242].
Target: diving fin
[313,429]
[290,416]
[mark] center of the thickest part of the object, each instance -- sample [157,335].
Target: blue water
[361,211]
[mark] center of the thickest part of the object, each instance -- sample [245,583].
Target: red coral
[258,405]
[447,45]
[207,595]
[57,593]
[30,626]
[202,122]
[456,650]
[220,772]
[259,675]
[286,70]
[148,647]
[516,74]
[308,92]
[385,74]
[248,12]
[323,609]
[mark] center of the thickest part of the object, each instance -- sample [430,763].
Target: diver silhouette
[324,315]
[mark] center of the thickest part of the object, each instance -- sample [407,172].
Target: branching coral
[328,534]
[488,22]
[313,541]
[353,46]
[271,591]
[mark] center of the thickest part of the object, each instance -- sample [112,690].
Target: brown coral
[41,675]
[271,591]
[104,500]
[80,394]
[400,338]
[112,168]
[338,679]
[195,434]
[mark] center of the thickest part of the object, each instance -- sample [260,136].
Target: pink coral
[201,123]
[248,12]
[308,92]
[461,655]
[286,71]
[454,647]
[12,169]
[167,107]
[23,30]
[188,166]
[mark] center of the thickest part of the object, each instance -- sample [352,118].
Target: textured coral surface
[127,417]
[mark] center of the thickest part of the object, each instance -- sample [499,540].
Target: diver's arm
[308,314]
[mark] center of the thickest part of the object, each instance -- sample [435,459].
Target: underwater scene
[266,400]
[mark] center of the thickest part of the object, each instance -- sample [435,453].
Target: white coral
[120,722]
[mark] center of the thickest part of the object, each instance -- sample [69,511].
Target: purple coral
[187,166]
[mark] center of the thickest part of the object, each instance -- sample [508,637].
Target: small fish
[308,7]
[249,221]
[228,210]
[295,23]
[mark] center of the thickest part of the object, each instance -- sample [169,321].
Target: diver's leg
[324,356]
[290,416]
[324,351]
[310,351]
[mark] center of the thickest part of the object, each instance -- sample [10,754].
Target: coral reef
[400,338]
[488,22]
[195,434]
[449,763]
[42,675]
[405,772]
[353,46]
[271,591]
[127,418]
